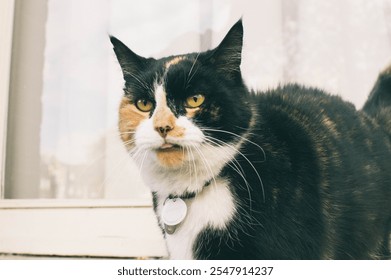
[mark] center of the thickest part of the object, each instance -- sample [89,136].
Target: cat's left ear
[130,62]
[227,56]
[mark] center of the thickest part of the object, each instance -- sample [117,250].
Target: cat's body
[292,173]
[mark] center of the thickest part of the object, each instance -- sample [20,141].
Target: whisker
[206,164]
[182,166]
[129,144]
[138,79]
[189,76]
[131,141]
[114,170]
[126,133]
[142,162]
[135,153]
[239,136]
[195,61]
[192,76]
[234,163]
[190,165]
[240,153]
[236,169]
[195,167]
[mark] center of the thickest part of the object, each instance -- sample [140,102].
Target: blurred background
[65,87]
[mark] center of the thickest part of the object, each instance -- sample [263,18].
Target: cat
[289,173]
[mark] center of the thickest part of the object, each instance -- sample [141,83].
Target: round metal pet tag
[174,211]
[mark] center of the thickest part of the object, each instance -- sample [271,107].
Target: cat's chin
[170,156]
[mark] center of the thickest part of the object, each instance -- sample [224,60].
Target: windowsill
[74,203]
[46,257]
[80,228]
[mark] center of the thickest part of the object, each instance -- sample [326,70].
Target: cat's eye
[195,101]
[144,105]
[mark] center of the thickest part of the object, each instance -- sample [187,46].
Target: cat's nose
[163,130]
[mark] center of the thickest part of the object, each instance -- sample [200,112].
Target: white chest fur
[213,207]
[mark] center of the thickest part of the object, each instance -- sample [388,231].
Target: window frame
[96,228]
[6,28]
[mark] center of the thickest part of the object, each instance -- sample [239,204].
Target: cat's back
[315,126]
[327,160]
[312,105]
[321,116]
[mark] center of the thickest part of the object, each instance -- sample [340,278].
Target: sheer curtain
[80,142]
[337,45]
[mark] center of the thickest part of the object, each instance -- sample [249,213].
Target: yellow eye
[195,101]
[144,105]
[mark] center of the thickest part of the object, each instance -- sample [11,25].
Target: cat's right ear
[227,57]
[130,62]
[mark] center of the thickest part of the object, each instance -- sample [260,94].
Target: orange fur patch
[174,61]
[164,117]
[191,112]
[129,119]
[387,71]
[177,132]
[171,158]
[331,126]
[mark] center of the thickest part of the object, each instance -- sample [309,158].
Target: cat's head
[174,106]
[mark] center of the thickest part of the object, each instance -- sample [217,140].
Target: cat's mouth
[167,147]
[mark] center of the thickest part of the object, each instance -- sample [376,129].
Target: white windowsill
[79,228]
[73,203]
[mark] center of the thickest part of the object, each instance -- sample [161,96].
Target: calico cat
[290,173]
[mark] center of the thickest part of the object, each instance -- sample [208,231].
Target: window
[68,186]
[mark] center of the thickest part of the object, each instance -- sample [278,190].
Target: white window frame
[98,228]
